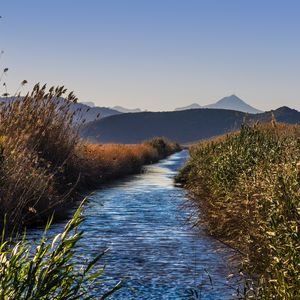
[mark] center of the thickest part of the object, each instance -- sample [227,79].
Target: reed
[38,150]
[103,162]
[44,165]
[48,270]
[245,188]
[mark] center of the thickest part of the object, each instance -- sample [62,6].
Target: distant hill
[283,114]
[231,102]
[83,111]
[90,113]
[88,103]
[234,103]
[181,126]
[126,110]
[192,106]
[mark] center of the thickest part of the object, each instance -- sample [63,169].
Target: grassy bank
[245,188]
[44,165]
[104,162]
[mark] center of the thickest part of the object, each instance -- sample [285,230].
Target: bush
[163,146]
[246,189]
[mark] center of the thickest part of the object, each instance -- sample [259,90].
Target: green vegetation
[47,271]
[246,189]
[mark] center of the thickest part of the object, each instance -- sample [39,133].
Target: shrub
[163,146]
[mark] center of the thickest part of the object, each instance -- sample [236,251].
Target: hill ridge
[181,126]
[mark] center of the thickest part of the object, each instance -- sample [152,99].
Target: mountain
[234,103]
[192,106]
[181,126]
[231,102]
[91,113]
[89,103]
[126,110]
[283,114]
[83,111]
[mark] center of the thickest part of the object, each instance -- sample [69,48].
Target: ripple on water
[143,223]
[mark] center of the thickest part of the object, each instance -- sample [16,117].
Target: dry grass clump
[39,145]
[246,189]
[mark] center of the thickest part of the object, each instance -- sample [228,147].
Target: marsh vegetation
[47,270]
[45,165]
[245,188]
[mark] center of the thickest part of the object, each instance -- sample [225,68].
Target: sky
[155,54]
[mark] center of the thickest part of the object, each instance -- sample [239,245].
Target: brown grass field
[104,162]
[44,165]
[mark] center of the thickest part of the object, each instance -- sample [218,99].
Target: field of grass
[245,188]
[44,165]
[103,162]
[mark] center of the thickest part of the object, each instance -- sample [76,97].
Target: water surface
[143,222]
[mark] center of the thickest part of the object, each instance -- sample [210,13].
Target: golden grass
[37,165]
[114,155]
[43,163]
[102,162]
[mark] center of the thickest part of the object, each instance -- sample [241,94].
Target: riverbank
[45,166]
[105,162]
[245,188]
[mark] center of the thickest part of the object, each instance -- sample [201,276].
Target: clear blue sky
[156,54]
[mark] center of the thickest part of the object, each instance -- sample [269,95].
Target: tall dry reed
[43,163]
[39,144]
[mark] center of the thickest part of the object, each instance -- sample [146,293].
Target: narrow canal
[143,222]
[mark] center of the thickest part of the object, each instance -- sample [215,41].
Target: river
[159,255]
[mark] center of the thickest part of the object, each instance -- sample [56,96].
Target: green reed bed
[245,188]
[48,271]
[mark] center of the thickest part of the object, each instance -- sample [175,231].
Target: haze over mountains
[83,111]
[90,114]
[231,102]
[89,103]
[126,110]
[185,126]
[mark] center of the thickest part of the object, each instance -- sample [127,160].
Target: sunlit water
[143,222]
